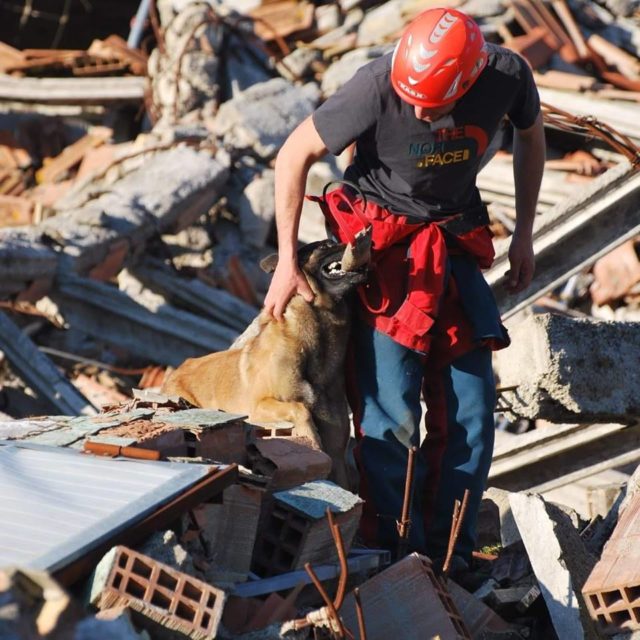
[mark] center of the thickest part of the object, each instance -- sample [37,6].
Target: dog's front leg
[272,410]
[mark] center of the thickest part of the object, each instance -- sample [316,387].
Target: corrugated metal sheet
[56,504]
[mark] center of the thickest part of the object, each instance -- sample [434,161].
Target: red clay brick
[406,601]
[612,590]
[161,594]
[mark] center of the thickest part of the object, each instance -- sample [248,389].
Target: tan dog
[293,369]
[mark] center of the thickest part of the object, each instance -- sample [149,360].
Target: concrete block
[262,117]
[257,210]
[406,601]
[572,370]
[287,463]
[560,562]
[380,23]
[298,63]
[612,590]
[294,527]
[167,602]
[327,17]
[241,68]
[168,193]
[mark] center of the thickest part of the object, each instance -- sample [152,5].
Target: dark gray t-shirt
[409,166]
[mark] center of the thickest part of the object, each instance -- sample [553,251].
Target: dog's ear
[269,263]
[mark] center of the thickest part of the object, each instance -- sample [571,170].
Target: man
[421,119]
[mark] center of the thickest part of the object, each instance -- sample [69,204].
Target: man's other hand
[286,282]
[522,263]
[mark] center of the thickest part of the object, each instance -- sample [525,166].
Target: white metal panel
[55,504]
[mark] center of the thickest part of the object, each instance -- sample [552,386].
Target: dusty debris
[560,562]
[563,355]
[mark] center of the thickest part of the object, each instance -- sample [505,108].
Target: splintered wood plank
[9,56]
[282,18]
[15,211]
[55,169]
[115,48]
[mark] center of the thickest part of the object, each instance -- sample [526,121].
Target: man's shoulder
[503,60]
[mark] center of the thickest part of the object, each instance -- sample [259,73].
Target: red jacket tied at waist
[404,295]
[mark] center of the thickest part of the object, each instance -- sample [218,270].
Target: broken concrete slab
[24,257]
[262,117]
[553,360]
[298,63]
[257,210]
[184,71]
[162,599]
[245,65]
[343,69]
[508,529]
[193,294]
[162,334]
[406,600]
[168,193]
[381,23]
[560,562]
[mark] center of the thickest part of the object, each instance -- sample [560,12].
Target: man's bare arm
[528,167]
[301,149]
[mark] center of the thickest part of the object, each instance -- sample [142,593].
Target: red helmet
[440,55]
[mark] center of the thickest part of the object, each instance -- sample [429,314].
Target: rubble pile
[136,201]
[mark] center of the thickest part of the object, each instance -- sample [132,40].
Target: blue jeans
[456,454]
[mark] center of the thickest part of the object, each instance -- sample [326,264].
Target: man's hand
[522,263]
[287,281]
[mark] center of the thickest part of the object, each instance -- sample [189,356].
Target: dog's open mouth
[353,260]
[334,270]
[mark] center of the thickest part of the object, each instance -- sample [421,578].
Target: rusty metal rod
[333,614]
[404,524]
[459,511]
[342,557]
[362,629]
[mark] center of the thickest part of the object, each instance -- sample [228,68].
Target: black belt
[466,221]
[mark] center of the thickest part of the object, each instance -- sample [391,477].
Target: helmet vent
[442,28]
